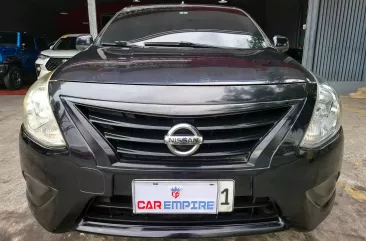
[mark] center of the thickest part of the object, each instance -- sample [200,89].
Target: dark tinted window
[8,39]
[65,43]
[28,40]
[219,28]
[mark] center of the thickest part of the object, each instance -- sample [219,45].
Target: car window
[28,40]
[229,28]
[65,43]
[8,39]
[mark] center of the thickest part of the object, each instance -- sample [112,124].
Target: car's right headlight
[39,122]
[326,119]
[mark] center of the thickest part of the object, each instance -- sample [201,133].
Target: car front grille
[54,63]
[139,138]
[118,210]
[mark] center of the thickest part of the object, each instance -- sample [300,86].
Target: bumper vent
[118,210]
[54,63]
[140,138]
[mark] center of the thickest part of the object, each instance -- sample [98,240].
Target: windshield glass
[8,39]
[226,28]
[65,43]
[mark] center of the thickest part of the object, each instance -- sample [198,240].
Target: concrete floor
[346,222]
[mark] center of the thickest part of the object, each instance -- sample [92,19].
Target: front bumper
[182,231]
[62,183]
[41,67]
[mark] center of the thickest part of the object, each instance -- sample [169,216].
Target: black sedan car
[181,121]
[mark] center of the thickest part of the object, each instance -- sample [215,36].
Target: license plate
[182,197]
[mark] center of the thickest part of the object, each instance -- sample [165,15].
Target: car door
[29,53]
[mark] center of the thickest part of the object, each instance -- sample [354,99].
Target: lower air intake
[118,210]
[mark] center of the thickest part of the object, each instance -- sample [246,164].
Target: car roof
[199,6]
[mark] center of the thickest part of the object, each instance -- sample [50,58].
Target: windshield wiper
[119,44]
[179,44]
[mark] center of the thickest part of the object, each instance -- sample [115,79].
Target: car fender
[13,60]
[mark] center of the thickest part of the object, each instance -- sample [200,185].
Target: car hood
[181,66]
[60,53]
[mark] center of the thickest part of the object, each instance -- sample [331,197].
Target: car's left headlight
[42,56]
[39,121]
[326,119]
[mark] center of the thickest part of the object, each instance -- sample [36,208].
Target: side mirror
[281,43]
[83,42]
[51,47]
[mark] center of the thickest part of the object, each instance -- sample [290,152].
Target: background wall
[77,19]
[279,17]
[25,16]
[284,17]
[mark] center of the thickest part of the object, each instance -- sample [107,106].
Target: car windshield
[227,28]
[8,39]
[65,43]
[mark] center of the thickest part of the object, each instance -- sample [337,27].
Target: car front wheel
[14,80]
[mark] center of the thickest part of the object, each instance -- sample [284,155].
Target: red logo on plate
[175,192]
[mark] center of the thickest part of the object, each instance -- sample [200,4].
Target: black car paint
[165,81]
[181,66]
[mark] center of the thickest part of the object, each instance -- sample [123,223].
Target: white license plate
[183,197]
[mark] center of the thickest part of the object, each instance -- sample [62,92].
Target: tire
[14,79]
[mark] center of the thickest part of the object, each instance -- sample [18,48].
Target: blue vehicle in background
[18,54]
